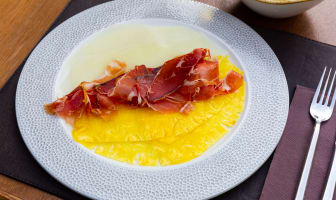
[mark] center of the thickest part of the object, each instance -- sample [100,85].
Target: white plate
[243,152]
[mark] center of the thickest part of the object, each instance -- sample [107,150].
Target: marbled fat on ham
[169,88]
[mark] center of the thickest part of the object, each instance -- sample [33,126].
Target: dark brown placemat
[303,61]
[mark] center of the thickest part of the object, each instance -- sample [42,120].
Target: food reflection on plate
[155,99]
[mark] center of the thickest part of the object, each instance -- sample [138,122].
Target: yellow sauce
[145,137]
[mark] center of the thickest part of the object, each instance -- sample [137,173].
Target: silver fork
[321,111]
[330,187]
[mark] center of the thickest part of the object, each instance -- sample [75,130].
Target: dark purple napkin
[288,161]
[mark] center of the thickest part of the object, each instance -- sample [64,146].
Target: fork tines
[321,98]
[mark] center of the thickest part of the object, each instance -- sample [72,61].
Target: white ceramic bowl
[279,9]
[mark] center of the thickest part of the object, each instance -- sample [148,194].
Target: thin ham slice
[203,76]
[107,87]
[68,105]
[230,83]
[173,73]
[125,88]
[169,88]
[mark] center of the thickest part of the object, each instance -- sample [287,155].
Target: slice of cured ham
[169,88]
[173,73]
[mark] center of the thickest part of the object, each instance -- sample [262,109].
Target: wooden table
[318,24]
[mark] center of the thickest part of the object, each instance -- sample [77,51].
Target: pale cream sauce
[134,44]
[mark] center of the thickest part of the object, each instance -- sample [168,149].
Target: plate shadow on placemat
[302,59]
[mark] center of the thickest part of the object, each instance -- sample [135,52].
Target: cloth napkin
[288,161]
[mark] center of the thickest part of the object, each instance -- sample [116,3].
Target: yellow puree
[145,137]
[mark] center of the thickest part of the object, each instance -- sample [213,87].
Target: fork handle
[330,188]
[309,159]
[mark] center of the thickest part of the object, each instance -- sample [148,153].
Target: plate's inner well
[142,136]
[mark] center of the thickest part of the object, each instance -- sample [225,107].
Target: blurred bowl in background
[280,8]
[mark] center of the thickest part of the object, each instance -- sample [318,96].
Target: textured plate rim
[22,110]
